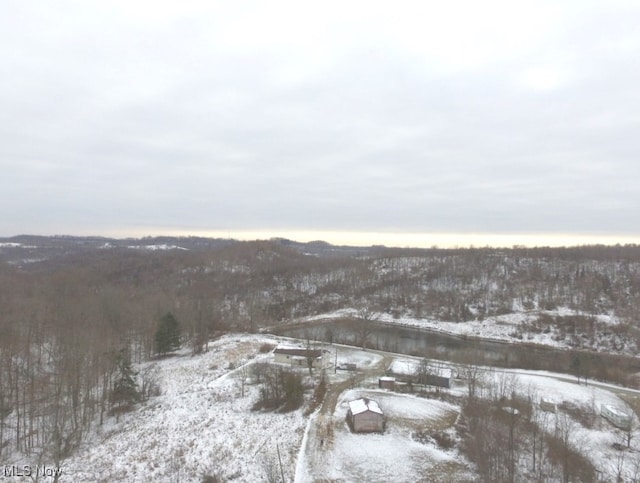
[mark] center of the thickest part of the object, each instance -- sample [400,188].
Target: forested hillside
[74,309]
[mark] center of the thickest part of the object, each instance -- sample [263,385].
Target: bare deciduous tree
[364,326]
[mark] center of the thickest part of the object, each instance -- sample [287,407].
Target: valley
[95,382]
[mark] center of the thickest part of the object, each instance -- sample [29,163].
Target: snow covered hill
[200,426]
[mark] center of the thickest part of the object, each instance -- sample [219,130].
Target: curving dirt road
[320,435]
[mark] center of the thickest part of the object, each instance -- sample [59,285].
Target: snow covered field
[391,456]
[201,425]
[198,426]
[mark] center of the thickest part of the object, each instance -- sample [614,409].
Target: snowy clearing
[199,426]
[391,456]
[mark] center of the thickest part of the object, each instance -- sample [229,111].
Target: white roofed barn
[298,356]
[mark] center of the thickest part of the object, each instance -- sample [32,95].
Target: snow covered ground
[411,366]
[392,456]
[350,355]
[163,246]
[199,426]
[595,440]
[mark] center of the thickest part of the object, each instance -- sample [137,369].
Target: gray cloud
[368,117]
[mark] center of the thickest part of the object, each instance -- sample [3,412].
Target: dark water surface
[464,349]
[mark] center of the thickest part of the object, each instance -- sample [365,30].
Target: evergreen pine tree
[167,337]
[125,388]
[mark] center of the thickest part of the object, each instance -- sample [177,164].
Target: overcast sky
[477,118]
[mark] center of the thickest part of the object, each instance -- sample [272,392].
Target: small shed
[442,378]
[387,382]
[365,416]
[616,416]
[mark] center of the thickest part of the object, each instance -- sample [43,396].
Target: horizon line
[376,238]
